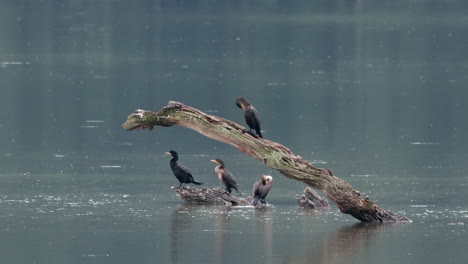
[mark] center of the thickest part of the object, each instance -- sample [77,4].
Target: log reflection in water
[341,246]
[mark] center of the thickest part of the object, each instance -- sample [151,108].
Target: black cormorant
[181,172]
[250,114]
[225,176]
[261,189]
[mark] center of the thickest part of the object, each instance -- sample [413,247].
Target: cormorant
[250,114]
[225,176]
[261,189]
[181,172]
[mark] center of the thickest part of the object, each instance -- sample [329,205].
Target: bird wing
[265,189]
[252,118]
[229,179]
[256,188]
[181,169]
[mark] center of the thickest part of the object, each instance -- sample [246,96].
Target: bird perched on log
[181,172]
[261,189]
[250,114]
[225,176]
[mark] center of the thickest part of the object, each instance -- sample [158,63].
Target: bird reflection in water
[184,240]
[224,237]
[264,227]
[182,235]
[221,236]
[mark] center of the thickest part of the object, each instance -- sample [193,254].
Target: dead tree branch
[272,154]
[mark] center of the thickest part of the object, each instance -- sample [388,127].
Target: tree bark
[272,154]
[212,196]
[310,199]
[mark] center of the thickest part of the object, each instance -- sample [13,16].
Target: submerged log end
[376,215]
[212,196]
[368,211]
[310,199]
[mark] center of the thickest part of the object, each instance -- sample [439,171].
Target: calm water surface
[374,91]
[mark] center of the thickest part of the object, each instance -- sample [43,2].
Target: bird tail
[197,183]
[238,192]
[255,201]
[259,133]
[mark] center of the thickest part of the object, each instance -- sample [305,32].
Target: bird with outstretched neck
[251,115]
[181,172]
[225,176]
[261,189]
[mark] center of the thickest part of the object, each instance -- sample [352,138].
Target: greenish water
[374,91]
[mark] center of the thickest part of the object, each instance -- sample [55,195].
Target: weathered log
[312,200]
[212,196]
[272,154]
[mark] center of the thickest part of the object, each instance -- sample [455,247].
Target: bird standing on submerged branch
[250,114]
[181,172]
[261,189]
[225,176]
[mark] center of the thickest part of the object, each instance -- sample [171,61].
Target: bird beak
[214,161]
[168,153]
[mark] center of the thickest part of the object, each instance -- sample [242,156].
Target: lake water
[375,91]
